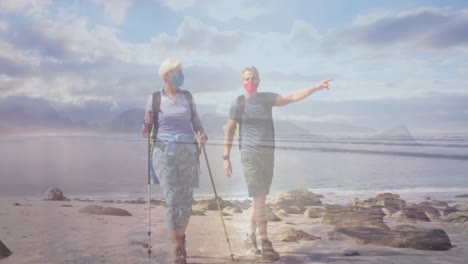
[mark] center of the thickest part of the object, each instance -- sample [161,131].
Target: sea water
[103,166]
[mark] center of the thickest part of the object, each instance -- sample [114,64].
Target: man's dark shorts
[258,171]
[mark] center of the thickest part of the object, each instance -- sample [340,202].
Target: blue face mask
[178,80]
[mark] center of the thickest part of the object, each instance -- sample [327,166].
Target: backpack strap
[156,110]
[189,98]
[239,113]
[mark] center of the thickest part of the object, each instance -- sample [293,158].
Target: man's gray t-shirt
[257,131]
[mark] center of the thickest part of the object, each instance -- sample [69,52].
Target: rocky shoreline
[299,221]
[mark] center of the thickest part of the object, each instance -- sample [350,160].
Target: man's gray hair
[252,69]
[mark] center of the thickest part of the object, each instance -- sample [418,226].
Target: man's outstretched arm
[284,99]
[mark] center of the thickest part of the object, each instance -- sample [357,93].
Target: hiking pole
[217,201]
[150,151]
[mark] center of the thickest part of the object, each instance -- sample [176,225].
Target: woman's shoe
[184,246]
[179,253]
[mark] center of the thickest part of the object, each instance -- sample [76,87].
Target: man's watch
[225,157]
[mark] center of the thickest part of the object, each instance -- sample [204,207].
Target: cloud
[14,62]
[303,32]
[296,77]
[68,38]
[72,59]
[202,79]
[31,8]
[221,10]
[452,34]
[178,5]
[12,68]
[39,38]
[7,85]
[116,10]
[192,34]
[432,28]
[10,6]
[241,9]
[72,38]
[462,70]
[112,67]
[105,77]
[76,82]
[4,25]
[195,37]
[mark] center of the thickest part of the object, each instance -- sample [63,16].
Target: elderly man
[253,113]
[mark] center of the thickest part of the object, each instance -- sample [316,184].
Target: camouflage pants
[176,174]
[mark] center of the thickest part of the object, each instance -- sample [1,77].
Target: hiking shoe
[251,244]
[268,253]
[179,253]
[184,244]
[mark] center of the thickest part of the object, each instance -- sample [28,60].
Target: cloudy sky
[393,61]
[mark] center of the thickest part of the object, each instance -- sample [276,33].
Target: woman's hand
[201,138]
[149,119]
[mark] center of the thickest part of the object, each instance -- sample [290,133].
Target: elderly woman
[175,155]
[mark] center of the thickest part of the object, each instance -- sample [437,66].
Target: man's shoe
[251,244]
[268,253]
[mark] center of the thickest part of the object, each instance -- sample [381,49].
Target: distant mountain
[214,125]
[91,112]
[129,121]
[400,132]
[287,128]
[326,128]
[21,113]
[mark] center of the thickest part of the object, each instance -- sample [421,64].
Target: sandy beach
[38,231]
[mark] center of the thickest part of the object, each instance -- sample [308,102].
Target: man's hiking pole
[150,151]
[217,200]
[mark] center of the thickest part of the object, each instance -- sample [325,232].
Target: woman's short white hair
[168,65]
[251,69]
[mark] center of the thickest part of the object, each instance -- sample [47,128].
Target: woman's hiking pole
[217,201]
[150,151]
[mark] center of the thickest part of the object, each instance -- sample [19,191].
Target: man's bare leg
[261,220]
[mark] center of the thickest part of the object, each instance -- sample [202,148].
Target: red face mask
[251,86]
